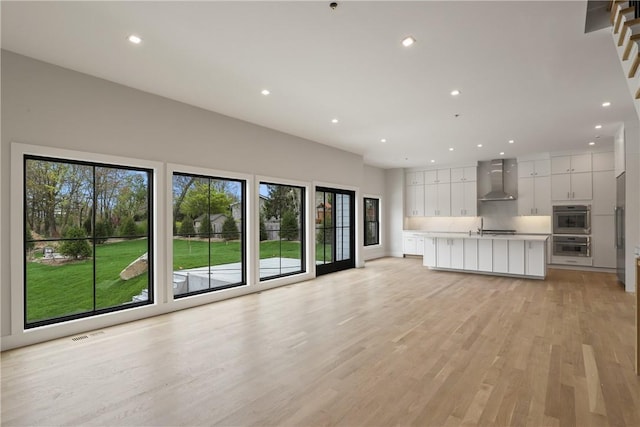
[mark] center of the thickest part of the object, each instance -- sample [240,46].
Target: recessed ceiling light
[479,145]
[455,92]
[598,126]
[433,161]
[334,120]
[265,92]
[451,149]
[408,41]
[592,143]
[383,140]
[134,39]
[606,104]
[511,141]
[502,153]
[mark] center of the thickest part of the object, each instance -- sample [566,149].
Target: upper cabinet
[468,174]
[533,168]
[439,176]
[534,187]
[414,178]
[571,164]
[571,178]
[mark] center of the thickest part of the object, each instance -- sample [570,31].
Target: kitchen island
[516,255]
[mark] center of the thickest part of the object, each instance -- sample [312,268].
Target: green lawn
[65,289]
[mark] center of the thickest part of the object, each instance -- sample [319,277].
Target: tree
[263,229]
[289,226]
[281,199]
[205,228]
[186,227]
[204,199]
[128,227]
[78,248]
[230,229]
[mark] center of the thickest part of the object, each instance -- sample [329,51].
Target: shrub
[263,229]
[230,229]
[205,226]
[186,227]
[128,227]
[77,249]
[103,231]
[289,226]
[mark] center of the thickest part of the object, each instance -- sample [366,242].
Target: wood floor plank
[391,344]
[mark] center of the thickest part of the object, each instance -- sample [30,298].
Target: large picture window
[371,221]
[281,230]
[208,234]
[88,245]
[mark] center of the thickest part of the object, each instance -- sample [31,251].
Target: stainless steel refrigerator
[619,218]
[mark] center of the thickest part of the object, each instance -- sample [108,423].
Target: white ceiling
[526,70]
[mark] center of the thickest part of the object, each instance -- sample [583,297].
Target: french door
[335,230]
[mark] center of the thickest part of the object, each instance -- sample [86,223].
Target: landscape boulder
[136,268]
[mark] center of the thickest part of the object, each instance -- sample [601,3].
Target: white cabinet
[571,164]
[603,251]
[500,256]
[450,253]
[415,200]
[437,199]
[485,255]
[535,258]
[604,193]
[571,177]
[414,178]
[438,176]
[572,186]
[467,174]
[470,261]
[464,198]
[534,195]
[516,256]
[413,244]
[430,249]
[531,168]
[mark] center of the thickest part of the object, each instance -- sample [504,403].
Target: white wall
[373,185]
[50,106]
[394,211]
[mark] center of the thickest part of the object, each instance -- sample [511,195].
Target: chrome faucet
[481,228]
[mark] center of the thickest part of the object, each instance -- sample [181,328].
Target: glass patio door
[335,230]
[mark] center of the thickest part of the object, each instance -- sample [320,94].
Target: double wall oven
[571,230]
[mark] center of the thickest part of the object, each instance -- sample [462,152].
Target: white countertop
[454,235]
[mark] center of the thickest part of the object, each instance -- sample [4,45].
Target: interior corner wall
[47,105]
[632,201]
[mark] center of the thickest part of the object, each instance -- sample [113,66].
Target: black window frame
[367,221]
[303,237]
[243,240]
[150,240]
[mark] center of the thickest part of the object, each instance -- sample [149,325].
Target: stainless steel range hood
[497,183]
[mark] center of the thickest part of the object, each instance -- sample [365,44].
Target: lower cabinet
[430,251]
[450,253]
[470,254]
[485,255]
[500,256]
[603,242]
[535,260]
[413,245]
[516,256]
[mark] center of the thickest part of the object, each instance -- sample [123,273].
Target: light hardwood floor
[391,344]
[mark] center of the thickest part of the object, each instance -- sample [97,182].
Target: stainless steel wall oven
[578,246]
[572,219]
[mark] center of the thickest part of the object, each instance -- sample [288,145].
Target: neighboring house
[217,220]
[236,210]
[323,210]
